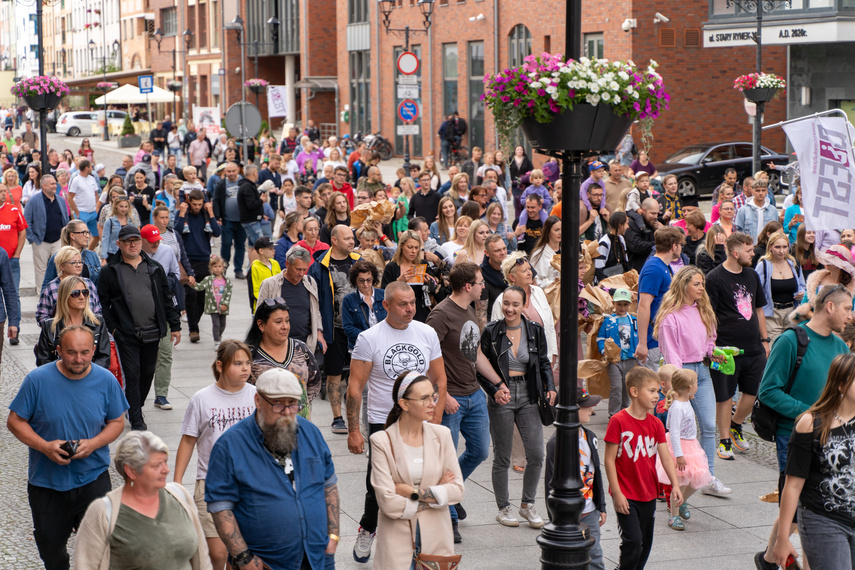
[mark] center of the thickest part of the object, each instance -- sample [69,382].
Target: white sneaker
[716,489]
[506,517]
[362,548]
[528,513]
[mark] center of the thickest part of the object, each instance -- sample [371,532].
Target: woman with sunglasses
[86,150]
[68,262]
[76,235]
[72,308]
[268,337]
[415,475]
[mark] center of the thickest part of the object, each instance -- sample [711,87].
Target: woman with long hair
[612,248]
[363,308]
[272,347]
[478,197]
[763,240]
[461,232]
[408,190]
[435,178]
[686,329]
[338,214]
[86,150]
[724,193]
[416,476]
[505,174]
[442,230]
[33,183]
[495,219]
[489,164]
[804,250]
[838,269]
[459,191]
[713,253]
[728,213]
[289,234]
[793,216]
[819,469]
[334,159]
[12,182]
[72,308]
[473,249]
[68,262]
[405,266]
[120,216]
[76,234]
[545,249]
[310,241]
[783,284]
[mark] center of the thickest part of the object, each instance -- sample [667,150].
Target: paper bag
[611,351]
[597,376]
[553,297]
[381,211]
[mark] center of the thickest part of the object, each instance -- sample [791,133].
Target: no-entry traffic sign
[408,110]
[408,63]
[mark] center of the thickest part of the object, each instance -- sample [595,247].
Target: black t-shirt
[827,470]
[425,205]
[735,298]
[138,193]
[340,277]
[533,230]
[299,303]
[53,222]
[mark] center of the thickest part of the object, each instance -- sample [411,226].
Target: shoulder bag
[764,418]
[423,561]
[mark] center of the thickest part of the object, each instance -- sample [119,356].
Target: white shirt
[291,171]
[502,197]
[391,353]
[86,191]
[167,259]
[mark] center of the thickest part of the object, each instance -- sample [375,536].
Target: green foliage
[128,127]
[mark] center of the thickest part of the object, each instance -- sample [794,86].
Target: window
[357,11]
[203,25]
[360,91]
[169,21]
[449,78]
[215,25]
[519,45]
[476,89]
[594,45]
[416,140]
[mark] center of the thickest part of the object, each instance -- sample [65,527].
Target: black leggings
[636,534]
[369,515]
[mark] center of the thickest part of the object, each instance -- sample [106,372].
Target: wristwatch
[415,496]
[767,339]
[242,559]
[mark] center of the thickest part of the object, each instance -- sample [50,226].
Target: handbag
[546,410]
[423,561]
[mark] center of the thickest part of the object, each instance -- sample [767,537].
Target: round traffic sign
[408,63]
[243,124]
[408,110]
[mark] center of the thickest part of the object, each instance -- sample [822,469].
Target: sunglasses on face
[78,292]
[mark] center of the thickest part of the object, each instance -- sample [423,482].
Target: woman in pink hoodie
[686,329]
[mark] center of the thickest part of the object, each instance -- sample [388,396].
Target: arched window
[519,45]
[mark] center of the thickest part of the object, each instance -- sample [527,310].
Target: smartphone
[70,448]
[792,564]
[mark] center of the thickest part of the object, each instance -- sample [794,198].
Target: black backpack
[764,418]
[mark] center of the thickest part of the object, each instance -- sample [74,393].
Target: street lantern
[426,6]
[188,37]
[158,37]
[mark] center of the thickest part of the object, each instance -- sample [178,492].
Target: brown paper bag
[553,296]
[611,351]
[381,211]
[600,299]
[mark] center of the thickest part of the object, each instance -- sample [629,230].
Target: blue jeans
[16,272]
[253,230]
[445,147]
[825,542]
[91,219]
[781,443]
[233,231]
[704,405]
[592,519]
[472,420]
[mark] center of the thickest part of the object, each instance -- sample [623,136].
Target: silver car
[80,122]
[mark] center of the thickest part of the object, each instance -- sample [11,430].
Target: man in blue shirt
[653,283]
[67,412]
[271,484]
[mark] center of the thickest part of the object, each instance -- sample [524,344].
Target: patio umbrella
[130,95]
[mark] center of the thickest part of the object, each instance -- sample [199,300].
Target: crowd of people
[417,326]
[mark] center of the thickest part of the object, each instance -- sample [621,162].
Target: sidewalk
[722,534]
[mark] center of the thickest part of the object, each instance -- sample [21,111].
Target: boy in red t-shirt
[633,439]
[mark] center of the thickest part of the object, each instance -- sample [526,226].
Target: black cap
[146,158]
[128,232]
[690,201]
[586,400]
[263,242]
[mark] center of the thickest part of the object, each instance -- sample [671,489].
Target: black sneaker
[14,340]
[461,512]
[338,426]
[457,538]
[761,563]
[239,275]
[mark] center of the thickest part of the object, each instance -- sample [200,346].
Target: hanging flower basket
[174,86]
[584,105]
[760,87]
[256,85]
[105,85]
[41,92]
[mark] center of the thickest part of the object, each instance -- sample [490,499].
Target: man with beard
[254,474]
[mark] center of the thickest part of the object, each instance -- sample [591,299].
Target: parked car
[80,122]
[700,167]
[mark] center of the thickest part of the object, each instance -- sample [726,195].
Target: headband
[405,383]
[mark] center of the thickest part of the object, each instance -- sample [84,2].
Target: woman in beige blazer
[415,474]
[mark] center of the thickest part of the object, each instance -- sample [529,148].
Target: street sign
[246,124]
[408,80]
[408,110]
[408,63]
[221,71]
[146,83]
[408,91]
[408,130]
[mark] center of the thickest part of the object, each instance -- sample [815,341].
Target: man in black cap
[138,309]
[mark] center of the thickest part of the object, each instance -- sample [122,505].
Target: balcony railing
[719,9]
[287,12]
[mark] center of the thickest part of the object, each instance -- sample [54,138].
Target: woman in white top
[334,159]
[415,475]
[33,184]
[430,166]
[489,164]
[547,246]
[461,231]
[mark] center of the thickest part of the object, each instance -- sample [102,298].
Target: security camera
[477,18]
[628,24]
[660,18]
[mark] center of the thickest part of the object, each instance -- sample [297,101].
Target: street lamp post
[426,7]
[188,37]
[106,134]
[257,45]
[758,7]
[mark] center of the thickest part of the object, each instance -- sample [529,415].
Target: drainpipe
[430,126]
[337,111]
[379,72]
[495,55]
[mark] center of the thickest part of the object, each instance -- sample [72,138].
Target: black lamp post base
[565,547]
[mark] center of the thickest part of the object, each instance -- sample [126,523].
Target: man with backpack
[795,375]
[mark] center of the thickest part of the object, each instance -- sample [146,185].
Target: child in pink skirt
[693,471]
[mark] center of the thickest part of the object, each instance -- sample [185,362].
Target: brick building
[468,39]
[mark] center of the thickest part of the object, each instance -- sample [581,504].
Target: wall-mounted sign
[793,32]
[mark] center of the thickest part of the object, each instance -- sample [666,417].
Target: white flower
[535,84]
[564,69]
[554,96]
[551,89]
[584,60]
[635,94]
[651,88]
[629,90]
[581,84]
[555,74]
[533,75]
[653,63]
[606,96]
[630,63]
[594,87]
[601,82]
[593,99]
[613,86]
[623,75]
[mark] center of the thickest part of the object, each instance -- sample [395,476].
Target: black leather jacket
[45,350]
[495,345]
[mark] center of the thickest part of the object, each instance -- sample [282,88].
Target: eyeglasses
[827,295]
[278,302]
[279,408]
[84,232]
[74,263]
[78,292]
[477,283]
[425,399]
[367,281]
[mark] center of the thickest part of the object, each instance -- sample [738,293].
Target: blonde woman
[713,253]
[435,178]
[408,190]
[459,191]
[473,248]
[783,283]
[10,179]
[408,258]
[461,232]
[686,329]
[442,230]
[68,262]
[121,214]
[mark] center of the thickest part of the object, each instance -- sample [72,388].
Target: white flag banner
[209,118]
[827,171]
[277,101]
